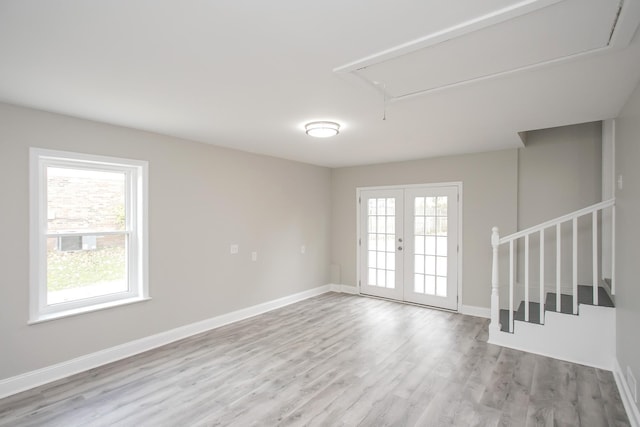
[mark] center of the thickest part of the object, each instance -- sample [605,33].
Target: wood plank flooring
[333,360]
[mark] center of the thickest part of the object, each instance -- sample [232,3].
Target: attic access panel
[508,40]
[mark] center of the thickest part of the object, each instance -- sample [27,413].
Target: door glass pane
[419,206]
[430,238]
[381,240]
[430,285]
[418,283]
[442,246]
[391,207]
[441,266]
[372,206]
[430,245]
[419,264]
[441,289]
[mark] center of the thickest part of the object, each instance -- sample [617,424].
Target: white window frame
[136,231]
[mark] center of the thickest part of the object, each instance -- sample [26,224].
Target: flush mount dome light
[322,129]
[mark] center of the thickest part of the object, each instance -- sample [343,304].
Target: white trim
[625,393]
[565,218]
[344,289]
[472,310]
[623,31]
[61,370]
[492,18]
[136,231]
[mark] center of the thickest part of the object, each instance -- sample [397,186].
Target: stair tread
[504,320]
[534,312]
[585,296]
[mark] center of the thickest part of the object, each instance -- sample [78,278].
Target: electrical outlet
[234,249]
[254,256]
[633,385]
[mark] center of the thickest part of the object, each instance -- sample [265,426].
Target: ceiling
[450,76]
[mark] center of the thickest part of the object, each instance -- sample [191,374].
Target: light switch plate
[234,249]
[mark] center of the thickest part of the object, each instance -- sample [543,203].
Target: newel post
[495,296]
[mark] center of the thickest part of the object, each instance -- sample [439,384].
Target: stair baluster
[546,301]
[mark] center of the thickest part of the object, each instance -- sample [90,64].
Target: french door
[409,244]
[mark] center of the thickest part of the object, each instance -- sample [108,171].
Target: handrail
[559,220]
[496,241]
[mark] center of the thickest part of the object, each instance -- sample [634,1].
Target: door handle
[399,248]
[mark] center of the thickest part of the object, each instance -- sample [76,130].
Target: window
[88,233]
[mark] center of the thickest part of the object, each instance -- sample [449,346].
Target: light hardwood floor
[333,360]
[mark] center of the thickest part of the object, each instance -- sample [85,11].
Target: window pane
[391,261]
[418,283]
[391,207]
[430,248]
[381,206]
[441,289]
[391,279]
[95,267]
[79,199]
[430,226]
[419,206]
[381,260]
[372,242]
[381,224]
[391,241]
[419,226]
[372,259]
[430,206]
[442,206]
[372,224]
[441,266]
[372,277]
[372,206]
[430,285]
[391,224]
[419,264]
[442,246]
[430,265]
[381,278]
[419,245]
[442,226]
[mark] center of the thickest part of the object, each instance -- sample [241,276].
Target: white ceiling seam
[394,67]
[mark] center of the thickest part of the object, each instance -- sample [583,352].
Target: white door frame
[457,184]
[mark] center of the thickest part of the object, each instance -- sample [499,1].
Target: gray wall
[559,171]
[489,198]
[202,198]
[628,236]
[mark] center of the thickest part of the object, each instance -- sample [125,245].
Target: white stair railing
[496,241]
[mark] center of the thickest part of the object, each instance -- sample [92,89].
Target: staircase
[574,323]
[585,296]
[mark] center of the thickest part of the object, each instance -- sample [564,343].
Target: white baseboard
[345,289]
[58,371]
[625,393]
[472,310]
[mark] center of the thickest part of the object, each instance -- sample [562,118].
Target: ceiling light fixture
[322,129]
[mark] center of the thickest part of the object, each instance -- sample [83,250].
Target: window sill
[76,311]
